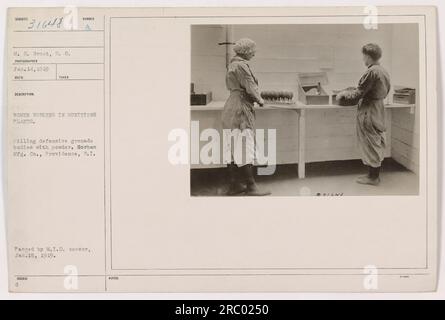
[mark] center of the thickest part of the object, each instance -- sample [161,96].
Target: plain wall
[405,126]
[209,60]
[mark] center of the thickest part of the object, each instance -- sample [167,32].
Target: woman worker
[373,87]
[238,119]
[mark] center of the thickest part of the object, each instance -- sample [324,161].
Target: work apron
[238,118]
[371,131]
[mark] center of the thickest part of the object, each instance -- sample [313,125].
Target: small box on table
[404,96]
[310,88]
[200,99]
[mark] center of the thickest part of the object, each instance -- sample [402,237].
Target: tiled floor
[323,178]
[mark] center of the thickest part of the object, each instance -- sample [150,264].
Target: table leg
[302,144]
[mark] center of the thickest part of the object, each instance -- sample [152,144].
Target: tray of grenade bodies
[278,97]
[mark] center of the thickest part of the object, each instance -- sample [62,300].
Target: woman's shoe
[236,189]
[235,186]
[373,177]
[252,188]
[254,191]
[368,180]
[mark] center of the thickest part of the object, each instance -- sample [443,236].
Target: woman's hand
[261,102]
[340,95]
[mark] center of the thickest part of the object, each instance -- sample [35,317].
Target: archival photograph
[221,150]
[304,110]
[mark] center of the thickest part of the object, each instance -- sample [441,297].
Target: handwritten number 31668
[45,24]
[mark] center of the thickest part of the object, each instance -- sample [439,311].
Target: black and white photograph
[305,110]
[222,152]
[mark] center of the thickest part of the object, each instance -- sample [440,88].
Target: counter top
[219,105]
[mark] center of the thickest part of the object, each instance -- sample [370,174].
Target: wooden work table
[300,112]
[219,105]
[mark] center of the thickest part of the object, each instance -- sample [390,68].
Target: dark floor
[322,178]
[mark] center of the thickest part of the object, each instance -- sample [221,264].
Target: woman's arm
[364,86]
[246,80]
